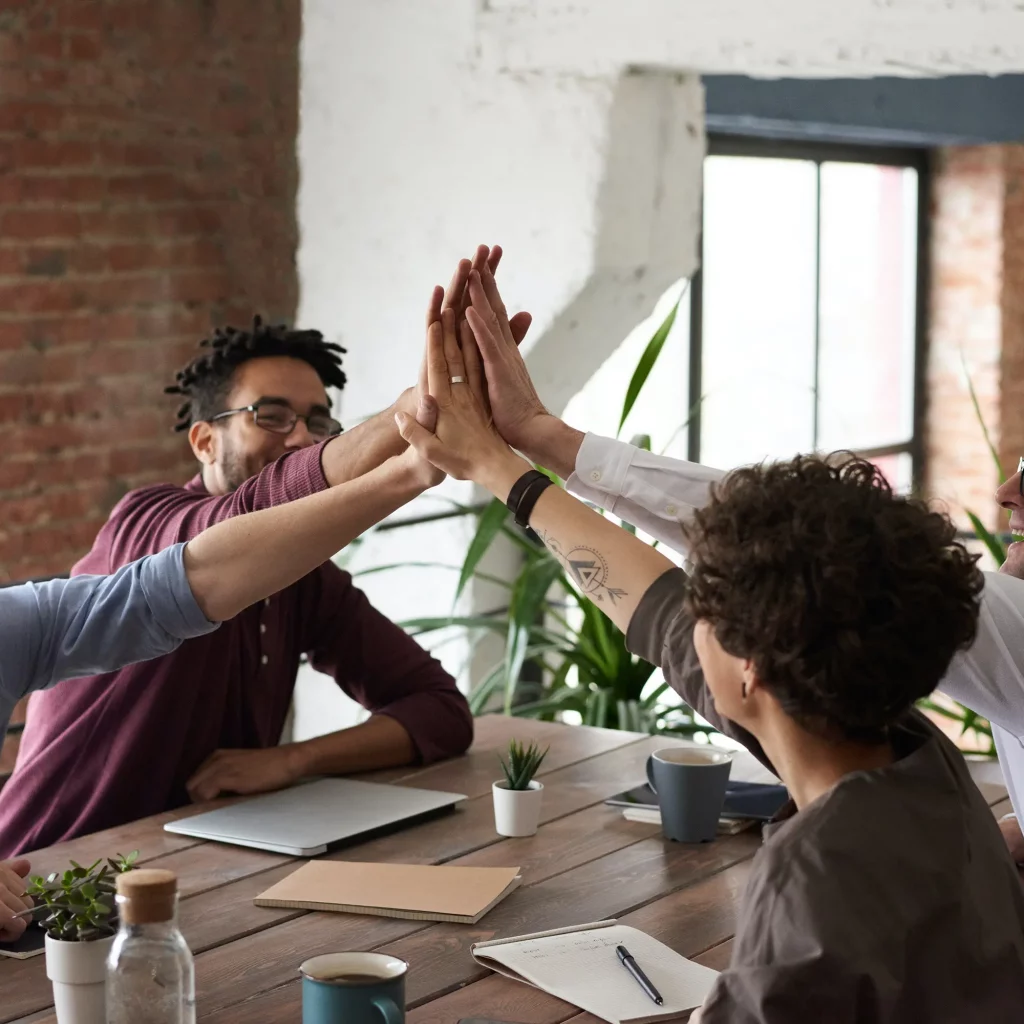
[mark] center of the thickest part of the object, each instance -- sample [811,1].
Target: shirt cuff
[170,596]
[601,467]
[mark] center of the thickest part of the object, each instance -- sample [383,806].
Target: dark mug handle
[650,775]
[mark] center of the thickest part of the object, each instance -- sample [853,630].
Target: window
[806,317]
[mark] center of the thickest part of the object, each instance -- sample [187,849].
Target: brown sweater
[891,899]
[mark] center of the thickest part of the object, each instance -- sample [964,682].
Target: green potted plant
[517,797]
[76,908]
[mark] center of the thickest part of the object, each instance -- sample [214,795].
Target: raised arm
[610,565]
[656,493]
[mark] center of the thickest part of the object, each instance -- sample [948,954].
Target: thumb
[21,866]
[519,325]
[412,432]
[426,413]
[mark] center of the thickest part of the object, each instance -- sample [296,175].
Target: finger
[482,305]
[21,866]
[11,903]
[438,383]
[457,286]
[426,413]
[13,928]
[490,287]
[474,367]
[494,259]
[488,341]
[519,325]
[452,352]
[434,306]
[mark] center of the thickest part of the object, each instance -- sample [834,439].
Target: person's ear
[750,681]
[203,438]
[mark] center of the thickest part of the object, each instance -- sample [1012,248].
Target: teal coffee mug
[353,988]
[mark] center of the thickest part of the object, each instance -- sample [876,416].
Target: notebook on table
[419,892]
[579,966]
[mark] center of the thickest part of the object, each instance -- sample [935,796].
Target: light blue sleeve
[91,624]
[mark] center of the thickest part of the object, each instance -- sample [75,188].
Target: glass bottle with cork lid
[150,972]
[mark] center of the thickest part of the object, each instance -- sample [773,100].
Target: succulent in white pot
[76,909]
[517,798]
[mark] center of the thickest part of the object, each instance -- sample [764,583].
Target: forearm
[609,565]
[380,742]
[363,448]
[553,444]
[242,560]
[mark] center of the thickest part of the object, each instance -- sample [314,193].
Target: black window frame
[819,153]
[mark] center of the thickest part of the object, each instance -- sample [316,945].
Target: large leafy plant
[77,905]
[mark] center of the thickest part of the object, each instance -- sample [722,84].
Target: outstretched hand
[464,444]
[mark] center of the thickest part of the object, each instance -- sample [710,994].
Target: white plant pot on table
[517,811]
[78,972]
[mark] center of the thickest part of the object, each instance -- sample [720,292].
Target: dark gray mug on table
[353,988]
[690,785]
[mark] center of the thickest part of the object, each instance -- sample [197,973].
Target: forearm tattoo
[587,567]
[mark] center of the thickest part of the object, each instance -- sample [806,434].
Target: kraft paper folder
[419,892]
[579,965]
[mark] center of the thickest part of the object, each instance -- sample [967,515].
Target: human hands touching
[465,443]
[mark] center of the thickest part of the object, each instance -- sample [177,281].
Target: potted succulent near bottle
[517,798]
[76,909]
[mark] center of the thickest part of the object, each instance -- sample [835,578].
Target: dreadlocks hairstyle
[206,380]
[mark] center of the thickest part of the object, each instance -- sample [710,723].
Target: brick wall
[977,315]
[147,191]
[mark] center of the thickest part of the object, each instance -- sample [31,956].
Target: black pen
[642,980]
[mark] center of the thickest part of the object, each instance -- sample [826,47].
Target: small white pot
[78,971]
[517,811]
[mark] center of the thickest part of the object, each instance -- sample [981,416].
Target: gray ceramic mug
[353,988]
[690,785]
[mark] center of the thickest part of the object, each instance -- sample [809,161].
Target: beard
[236,468]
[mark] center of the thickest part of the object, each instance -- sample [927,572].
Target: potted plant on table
[517,798]
[77,911]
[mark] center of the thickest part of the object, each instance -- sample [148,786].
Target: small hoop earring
[744,691]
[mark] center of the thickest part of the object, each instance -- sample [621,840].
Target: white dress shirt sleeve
[658,494]
[655,493]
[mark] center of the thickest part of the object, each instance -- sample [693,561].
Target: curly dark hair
[206,381]
[849,600]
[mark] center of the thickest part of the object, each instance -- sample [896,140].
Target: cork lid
[147,895]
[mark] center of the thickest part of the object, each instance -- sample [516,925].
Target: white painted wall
[771,38]
[430,125]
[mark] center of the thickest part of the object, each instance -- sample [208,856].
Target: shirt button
[263,627]
[264,660]
[595,475]
[671,510]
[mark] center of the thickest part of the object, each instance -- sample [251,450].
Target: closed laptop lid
[305,820]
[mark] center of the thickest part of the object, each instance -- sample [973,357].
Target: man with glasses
[207,719]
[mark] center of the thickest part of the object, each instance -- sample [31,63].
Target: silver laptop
[305,820]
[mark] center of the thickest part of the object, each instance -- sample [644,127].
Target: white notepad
[579,965]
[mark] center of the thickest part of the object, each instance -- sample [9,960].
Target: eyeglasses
[279,418]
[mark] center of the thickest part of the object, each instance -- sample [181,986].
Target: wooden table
[585,864]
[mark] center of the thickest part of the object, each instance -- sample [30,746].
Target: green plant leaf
[981,420]
[648,359]
[492,519]
[989,539]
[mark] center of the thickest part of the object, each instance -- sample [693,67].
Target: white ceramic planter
[78,971]
[517,811]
